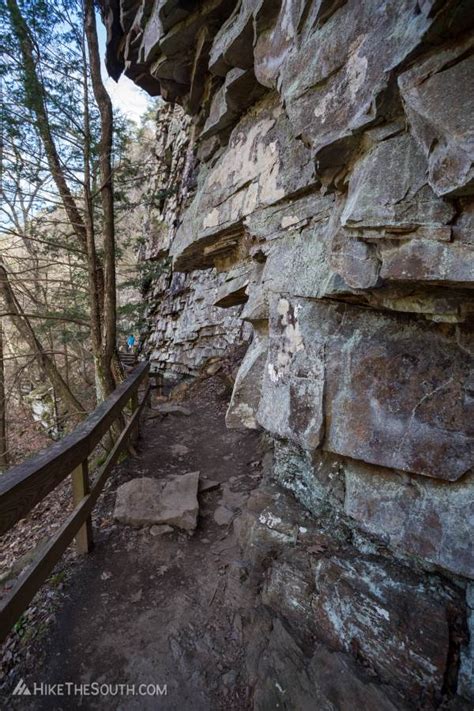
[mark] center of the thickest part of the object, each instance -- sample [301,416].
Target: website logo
[21,689]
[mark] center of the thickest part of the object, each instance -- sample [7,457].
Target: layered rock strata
[333,203]
[184,326]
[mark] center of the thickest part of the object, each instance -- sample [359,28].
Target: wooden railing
[22,487]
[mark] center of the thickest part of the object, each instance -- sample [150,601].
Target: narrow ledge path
[160,610]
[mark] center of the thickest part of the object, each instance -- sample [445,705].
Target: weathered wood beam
[22,487]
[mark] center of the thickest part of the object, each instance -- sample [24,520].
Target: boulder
[146,501]
[389,617]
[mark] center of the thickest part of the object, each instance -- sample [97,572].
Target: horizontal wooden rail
[21,495]
[24,486]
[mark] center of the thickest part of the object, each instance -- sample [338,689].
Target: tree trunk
[107,195]
[66,361]
[25,330]
[35,97]
[95,295]
[3,412]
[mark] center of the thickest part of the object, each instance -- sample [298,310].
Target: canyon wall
[329,204]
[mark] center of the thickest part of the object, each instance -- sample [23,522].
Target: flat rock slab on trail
[146,501]
[159,609]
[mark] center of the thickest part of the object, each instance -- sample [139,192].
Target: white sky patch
[126,96]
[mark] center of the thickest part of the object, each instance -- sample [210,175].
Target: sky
[126,96]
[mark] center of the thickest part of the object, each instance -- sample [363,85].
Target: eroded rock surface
[325,201]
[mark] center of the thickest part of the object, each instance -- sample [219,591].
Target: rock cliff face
[330,205]
[186,327]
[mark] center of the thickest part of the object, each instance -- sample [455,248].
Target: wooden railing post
[133,406]
[146,383]
[159,383]
[80,489]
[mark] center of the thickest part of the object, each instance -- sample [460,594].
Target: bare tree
[26,331]
[80,210]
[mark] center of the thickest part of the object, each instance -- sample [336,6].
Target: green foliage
[134,312]
[20,625]
[56,580]
[151,270]
[131,317]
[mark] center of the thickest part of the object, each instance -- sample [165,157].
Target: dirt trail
[164,610]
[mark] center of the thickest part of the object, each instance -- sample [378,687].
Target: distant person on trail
[131,342]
